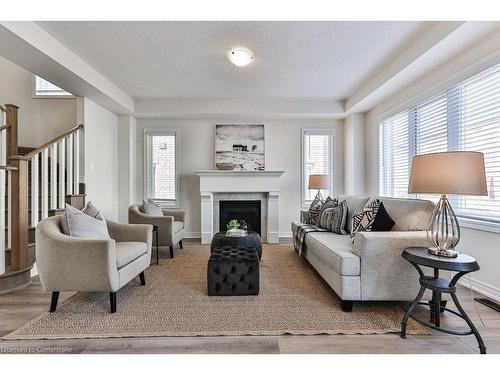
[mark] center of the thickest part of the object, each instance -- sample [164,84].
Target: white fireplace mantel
[239,182]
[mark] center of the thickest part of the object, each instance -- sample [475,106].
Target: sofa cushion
[127,252]
[335,250]
[408,214]
[177,226]
[354,205]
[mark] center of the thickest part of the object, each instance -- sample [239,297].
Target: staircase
[35,183]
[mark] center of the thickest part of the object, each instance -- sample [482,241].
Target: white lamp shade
[460,172]
[319,181]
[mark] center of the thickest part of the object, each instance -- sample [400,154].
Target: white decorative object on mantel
[213,182]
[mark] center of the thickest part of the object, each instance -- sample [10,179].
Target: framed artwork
[239,147]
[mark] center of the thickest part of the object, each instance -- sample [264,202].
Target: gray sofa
[71,264]
[371,268]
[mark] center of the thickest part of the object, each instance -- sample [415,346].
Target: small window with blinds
[161,167]
[44,89]
[465,117]
[317,158]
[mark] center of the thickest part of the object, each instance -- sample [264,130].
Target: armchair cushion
[127,252]
[77,223]
[177,226]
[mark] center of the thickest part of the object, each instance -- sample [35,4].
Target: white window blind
[45,88]
[161,174]
[465,117]
[317,158]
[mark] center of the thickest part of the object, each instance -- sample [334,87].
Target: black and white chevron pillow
[363,220]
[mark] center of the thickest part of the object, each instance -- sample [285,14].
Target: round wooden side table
[463,264]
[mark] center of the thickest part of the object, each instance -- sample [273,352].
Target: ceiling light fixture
[240,56]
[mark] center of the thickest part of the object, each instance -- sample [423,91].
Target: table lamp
[460,172]
[319,182]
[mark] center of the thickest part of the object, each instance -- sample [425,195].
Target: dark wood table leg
[157,249]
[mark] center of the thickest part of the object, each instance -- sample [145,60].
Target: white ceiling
[188,59]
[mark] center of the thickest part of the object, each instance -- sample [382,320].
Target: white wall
[100,156]
[282,144]
[480,244]
[354,154]
[127,146]
[40,120]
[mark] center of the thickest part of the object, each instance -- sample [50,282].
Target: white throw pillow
[77,223]
[152,209]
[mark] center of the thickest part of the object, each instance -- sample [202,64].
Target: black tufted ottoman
[252,239]
[233,271]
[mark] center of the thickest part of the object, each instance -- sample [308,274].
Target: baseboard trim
[486,290]
[286,234]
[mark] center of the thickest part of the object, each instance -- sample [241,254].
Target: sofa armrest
[389,243]
[178,215]
[385,275]
[304,216]
[67,263]
[131,232]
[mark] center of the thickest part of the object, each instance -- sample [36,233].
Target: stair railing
[55,171]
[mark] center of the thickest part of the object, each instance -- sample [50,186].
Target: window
[465,117]
[161,167]
[43,88]
[317,158]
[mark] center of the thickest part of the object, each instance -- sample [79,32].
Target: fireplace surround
[217,186]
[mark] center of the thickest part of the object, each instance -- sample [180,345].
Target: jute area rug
[293,300]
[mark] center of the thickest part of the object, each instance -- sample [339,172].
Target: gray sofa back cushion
[408,214]
[354,205]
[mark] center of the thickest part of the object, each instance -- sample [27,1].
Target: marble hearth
[236,185]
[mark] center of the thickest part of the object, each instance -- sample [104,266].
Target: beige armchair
[170,226]
[74,264]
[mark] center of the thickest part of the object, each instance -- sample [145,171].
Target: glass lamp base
[443,253]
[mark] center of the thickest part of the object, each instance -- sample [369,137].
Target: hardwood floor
[20,307]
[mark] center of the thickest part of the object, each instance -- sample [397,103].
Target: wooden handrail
[36,151]
[4,127]
[8,168]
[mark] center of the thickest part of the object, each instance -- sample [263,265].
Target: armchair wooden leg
[53,302]
[171,251]
[112,300]
[180,244]
[142,278]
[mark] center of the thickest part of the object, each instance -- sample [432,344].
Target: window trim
[333,175]
[38,96]
[474,221]
[162,131]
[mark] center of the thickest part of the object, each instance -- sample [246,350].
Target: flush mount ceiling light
[240,56]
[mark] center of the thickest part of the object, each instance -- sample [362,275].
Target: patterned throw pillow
[314,210]
[93,211]
[327,204]
[335,219]
[363,220]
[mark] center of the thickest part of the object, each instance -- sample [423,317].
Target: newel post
[19,214]
[11,112]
